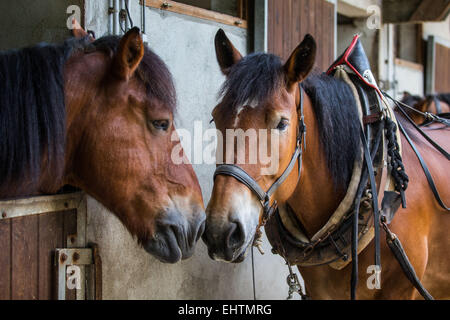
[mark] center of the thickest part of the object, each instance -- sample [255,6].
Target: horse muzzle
[226,242]
[176,237]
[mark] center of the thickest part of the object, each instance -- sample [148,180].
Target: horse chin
[240,258]
[228,257]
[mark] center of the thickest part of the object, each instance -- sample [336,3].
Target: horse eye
[283,124]
[161,124]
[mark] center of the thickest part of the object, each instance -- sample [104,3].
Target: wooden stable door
[442,69]
[28,245]
[36,236]
[290,20]
[437,69]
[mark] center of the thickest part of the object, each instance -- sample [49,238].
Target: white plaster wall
[186,45]
[408,79]
[438,29]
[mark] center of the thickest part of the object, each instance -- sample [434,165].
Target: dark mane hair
[32,108]
[257,77]
[337,117]
[411,100]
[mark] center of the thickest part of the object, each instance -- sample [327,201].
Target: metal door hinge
[79,269]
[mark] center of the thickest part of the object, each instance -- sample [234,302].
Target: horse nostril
[236,236]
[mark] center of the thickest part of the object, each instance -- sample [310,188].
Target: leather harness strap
[437,104]
[425,170]
[431,141]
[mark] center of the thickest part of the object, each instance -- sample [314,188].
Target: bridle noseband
[264,196]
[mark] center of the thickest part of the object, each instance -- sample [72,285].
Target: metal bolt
[63,257]
[166,5]
[76,256]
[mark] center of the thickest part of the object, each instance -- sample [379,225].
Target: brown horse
[437,103]
[261,92]
[99,116]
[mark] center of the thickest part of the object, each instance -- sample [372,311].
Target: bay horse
[433,103]
[100,116]
[262,92]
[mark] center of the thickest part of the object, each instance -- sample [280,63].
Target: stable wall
[186,45]
[25,22]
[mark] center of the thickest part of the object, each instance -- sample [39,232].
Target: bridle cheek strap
[264,196]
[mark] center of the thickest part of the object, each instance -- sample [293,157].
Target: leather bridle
[264,196]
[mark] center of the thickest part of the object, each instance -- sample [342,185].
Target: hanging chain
[294,284]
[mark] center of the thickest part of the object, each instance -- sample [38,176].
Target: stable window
[231,12]
[408,43]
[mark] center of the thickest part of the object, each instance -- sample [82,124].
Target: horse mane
[258,76]
[336,112]
[411,100]
[32,108]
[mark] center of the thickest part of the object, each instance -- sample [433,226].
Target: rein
[416,151]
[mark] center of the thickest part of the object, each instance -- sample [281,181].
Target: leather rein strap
[419,156]
[264,196]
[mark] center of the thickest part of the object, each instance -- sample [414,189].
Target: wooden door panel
[5,259]
[24,251]
[290,20]
[27,270]
[442,69]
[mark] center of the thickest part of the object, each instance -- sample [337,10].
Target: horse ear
[227,55]
[79,32]
[129,54]
[301,61]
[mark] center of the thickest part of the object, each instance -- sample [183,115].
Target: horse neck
[315,197]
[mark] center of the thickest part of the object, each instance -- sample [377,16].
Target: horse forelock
[251,82]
